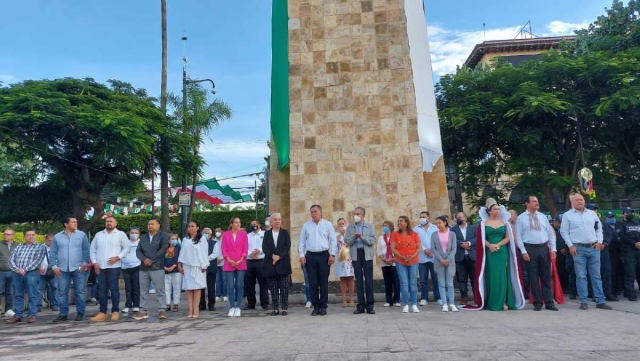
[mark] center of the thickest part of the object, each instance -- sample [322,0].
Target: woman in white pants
[172,276]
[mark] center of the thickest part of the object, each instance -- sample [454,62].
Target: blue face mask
[133,236]
[174,242]
[611,221]
[253,228]
[385,229]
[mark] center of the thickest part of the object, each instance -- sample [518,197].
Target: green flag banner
[280,80]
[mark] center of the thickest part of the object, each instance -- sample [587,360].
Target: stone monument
[354,120]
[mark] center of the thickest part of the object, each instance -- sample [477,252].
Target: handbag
[49,272]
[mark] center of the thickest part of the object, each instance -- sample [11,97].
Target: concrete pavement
[570,334]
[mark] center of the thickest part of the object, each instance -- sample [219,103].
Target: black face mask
[459,221]
[628,217]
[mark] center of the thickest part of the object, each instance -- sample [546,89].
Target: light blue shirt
[131,260]
[359,243]
[580,227]
[533,236]
[317,238]
[425,239]
[69,253]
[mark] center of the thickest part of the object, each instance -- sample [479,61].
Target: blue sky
[229,41]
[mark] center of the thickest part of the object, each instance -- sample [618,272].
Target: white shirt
[464,236]
[275,238]
[532,236]
[255,242]
[216,253]
[317,238]
[425,240]
[382,250]
[106,245]
[580,227]
[195,255]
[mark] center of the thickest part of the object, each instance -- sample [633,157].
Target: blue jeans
[588,258]
[79,287]
[108,281]
[445,283]
[221,290]
[28,283]
[51,284]
[235,287]
[426,269]
[408,283]
[307,288]
[6,288]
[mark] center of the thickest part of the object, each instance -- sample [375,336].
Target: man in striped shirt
[28,262]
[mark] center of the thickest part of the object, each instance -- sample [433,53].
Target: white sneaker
[440,303]
[9,313]
[453,308]
[136,309]
[125,310]
[405,309]
[445,308]
[152,291]
[397,304]
[225,299]
[308,305]
[232,312]
[386,305]
[93,299]
[217,299]
[423,302]
[238,312]
[415,309]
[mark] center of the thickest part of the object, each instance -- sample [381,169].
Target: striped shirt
[28,257]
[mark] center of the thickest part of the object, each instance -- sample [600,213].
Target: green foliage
[27,204]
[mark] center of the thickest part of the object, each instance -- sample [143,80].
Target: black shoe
[265,308]
[552,308]
[284,312]
[633,299]
[61,319]
[612,298]
[323,312]
[202,308]
[371,311]
[358,311]
[80,317]
[584,306]
[572,297]
[537,308]
[274,313]
[212,308]
[315,312]
[246,308]
[603,306]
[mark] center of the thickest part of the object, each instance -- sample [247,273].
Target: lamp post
[186,81]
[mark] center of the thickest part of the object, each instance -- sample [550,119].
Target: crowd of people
[507,259]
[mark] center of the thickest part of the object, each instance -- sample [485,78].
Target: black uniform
[629,233]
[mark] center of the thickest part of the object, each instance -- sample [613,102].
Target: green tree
[90,134]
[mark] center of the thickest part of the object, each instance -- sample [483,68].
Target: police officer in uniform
[609,233]
[629,232]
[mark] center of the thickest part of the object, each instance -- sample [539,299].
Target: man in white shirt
[425,267]
[221,284]
[317,248]
[535,237]
[108,248]
[255,263]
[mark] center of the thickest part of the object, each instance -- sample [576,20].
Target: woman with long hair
[344,268]
[192,264]
[235,245]
[444,245]
[388,265]
[405,245]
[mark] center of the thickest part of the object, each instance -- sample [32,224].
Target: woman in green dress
[498,284]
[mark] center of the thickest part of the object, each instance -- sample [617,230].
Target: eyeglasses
[8,234]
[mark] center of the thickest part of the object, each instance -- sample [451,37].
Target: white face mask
[218,234]
[357,219]
[343,228]
[267,223]
[423,221]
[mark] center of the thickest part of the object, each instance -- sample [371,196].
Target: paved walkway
[570,334]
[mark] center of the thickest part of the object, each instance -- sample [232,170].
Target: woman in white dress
[192,263]
[344,268]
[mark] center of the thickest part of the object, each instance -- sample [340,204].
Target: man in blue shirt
[424,230]
[69,256]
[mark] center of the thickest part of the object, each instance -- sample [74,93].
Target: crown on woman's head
[490,202]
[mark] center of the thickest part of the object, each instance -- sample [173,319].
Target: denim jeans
[408,283]
[80,290]
[108,281]
[588,258]
[28,283]
[425,269]
[445,283]
[221,282]
[132,287]
[307,288]
[51,286]
[6,288]
[235,287]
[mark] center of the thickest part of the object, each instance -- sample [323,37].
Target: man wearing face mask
[629,232]
[221,284]
[465,255]
[609,235]
[425,230]
[267,224]
[212,271]
[255,263]
[360,237]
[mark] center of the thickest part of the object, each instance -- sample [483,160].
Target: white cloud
[450,48]
[7,79]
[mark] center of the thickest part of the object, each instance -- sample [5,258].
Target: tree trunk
[164,162]
[548,198]
[80,210]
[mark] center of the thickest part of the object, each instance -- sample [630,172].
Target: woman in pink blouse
[235,246]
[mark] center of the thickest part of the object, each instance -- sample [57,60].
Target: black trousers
[318,273]
[466,271]
[364,287]
[210,291]
[632,260]
[539,269]
[131,277]
[253,275]
[561,266]
[617,270]
[279,286]
[391,284]
[605,272]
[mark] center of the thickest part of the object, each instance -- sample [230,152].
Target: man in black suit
[465,254]
[150,252]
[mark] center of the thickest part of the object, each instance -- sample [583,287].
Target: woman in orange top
[405,245]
